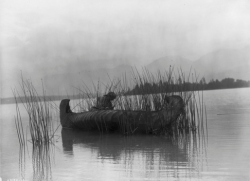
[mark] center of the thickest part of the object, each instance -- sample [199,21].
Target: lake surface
[224,154]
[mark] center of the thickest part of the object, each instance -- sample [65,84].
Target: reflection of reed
[195,145]
[42,157]
[158,155]
[22,159]
[41,160]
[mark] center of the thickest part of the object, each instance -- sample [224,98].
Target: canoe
[124,121]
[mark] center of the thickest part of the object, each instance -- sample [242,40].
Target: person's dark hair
[111,95]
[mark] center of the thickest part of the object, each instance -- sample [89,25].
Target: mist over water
[76,155]
[65,44]
[45,40]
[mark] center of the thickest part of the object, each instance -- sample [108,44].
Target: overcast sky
[38,35]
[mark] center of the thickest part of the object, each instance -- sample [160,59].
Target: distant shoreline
[11,100]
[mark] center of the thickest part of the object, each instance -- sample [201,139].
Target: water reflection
[22,160]
[149,156]
[42,156]
[42,159]
[114,157]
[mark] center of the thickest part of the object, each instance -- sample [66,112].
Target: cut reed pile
[147,93]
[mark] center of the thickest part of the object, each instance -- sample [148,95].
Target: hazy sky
[42,37]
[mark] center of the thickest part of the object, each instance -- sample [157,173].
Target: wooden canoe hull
[126,122]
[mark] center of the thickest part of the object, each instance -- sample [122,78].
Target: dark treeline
[227,83]
[149,88]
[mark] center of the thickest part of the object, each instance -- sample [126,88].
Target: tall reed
[18,122]
[39,109]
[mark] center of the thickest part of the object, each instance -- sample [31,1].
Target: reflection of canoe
[126,122]
[115,146]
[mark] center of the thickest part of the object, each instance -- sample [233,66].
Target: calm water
[223,155]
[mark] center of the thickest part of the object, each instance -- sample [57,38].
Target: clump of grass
[39,111]
[41,128]
[150,90]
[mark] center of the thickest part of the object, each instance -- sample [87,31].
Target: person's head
[111,95]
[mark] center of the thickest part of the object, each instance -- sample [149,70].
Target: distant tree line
[227,83]
[151,88]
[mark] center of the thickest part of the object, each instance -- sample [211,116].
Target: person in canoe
[104,102]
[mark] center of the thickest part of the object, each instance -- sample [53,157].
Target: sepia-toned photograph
[124,90]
